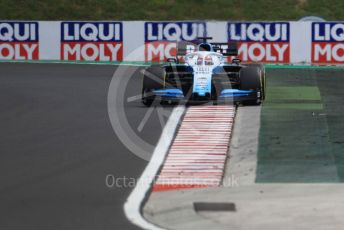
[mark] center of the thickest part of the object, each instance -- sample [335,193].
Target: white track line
[134,203]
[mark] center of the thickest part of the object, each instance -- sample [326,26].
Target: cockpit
[207,60]
[204,56]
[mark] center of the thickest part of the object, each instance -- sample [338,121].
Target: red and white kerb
[198,154]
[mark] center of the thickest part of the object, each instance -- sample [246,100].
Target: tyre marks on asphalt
[198,153]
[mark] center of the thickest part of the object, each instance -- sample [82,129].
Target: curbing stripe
[198,154]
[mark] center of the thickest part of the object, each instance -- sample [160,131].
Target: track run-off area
[301,138]
[57,144]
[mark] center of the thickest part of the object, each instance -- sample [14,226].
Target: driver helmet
[204,47]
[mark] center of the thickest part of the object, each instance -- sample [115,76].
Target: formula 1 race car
[204,75]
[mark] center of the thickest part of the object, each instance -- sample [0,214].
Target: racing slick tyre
[262,69]
[251,78]
[153,78]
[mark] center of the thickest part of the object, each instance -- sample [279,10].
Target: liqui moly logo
[328,42]
[261,41]
[161,37]
[19,41]
[92,41]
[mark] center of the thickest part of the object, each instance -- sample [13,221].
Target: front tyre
[252,78]
[146,98]
[263,78]
[153,78]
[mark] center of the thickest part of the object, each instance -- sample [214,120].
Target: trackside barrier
[111,41]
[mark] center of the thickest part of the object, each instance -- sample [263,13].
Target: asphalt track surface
[57,146]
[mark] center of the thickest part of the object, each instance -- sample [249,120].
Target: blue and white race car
[204,75]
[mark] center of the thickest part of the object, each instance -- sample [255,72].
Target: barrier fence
[268,42]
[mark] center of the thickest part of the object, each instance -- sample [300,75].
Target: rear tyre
[153,78]
[251,78]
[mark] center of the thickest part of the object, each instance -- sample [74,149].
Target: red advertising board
[91,41]
[19,41]
[261,41]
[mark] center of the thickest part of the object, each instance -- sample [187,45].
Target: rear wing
[226,49]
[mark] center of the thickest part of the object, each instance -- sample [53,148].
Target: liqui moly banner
[261,41]
[19,41]
[268,42]
[92,41]
[328,42]
[161,37]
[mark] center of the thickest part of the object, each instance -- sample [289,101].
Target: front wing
[230,95]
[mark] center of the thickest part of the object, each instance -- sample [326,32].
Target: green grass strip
[293,93]
[296,106]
